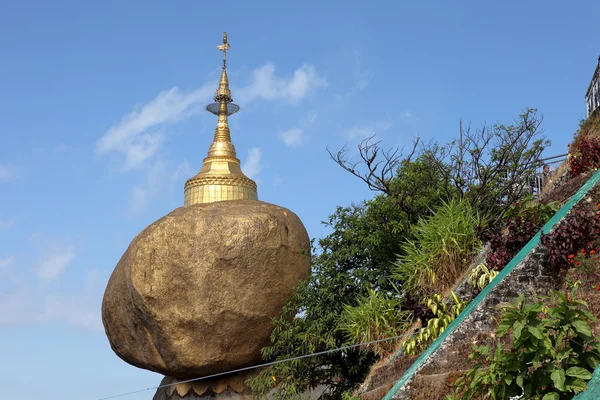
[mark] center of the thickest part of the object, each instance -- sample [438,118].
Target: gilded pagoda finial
[224,47]
[221,177]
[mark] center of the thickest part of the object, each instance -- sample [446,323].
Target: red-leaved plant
[584,155]
[574,233]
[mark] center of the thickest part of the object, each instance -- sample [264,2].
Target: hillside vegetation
[390,263]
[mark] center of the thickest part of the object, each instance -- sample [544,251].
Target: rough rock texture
[195,291]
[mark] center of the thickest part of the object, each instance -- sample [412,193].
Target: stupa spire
[220,177]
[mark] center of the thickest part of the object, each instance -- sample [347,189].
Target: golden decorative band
[221,158]
[221,180]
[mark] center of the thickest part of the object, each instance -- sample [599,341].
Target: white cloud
[292,137]
[137,136]
[140,134]
[266,85]
[7,223]
[54,261]
[8,173]
[363,131]
[408,114]
[253,165]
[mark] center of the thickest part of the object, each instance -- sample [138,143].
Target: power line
[320,353]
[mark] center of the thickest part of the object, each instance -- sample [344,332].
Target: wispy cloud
[295,137]
[362,131]
[9,173]
[54,260]
[28,303]
[253,165]
[7,274]
[159,177]
[292,137]
[7,223]
[26,297]
[266,85]
[156,178]
[138,136]
[141,133]
[361,77]
[408,114]
[79,308]
[6,263]
[183,171]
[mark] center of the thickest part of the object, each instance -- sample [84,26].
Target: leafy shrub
[435,326]
[522,223]
[481,276]
[584,155]
[551,356]
[573,233]
[377,316]
[441,249]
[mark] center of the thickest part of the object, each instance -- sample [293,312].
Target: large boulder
[195,292]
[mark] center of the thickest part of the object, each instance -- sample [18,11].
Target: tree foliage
[440,249]
[491,166]
[354,259]
[353,265]
[377,316]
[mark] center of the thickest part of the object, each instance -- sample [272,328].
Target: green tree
[351,262]
[353,259]
[491,167]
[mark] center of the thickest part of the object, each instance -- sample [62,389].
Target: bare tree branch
[379,165]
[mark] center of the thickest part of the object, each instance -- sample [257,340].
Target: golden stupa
[195,293]
[220,177]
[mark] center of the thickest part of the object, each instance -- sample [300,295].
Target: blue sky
[102,122]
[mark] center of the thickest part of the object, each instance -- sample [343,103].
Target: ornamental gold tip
[221,177]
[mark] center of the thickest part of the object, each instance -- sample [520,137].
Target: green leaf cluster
[444,316]
[481,276]
[441,249]
[377,316]
[552,352]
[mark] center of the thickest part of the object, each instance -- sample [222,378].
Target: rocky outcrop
[195,292]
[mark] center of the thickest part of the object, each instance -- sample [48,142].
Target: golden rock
[195,292]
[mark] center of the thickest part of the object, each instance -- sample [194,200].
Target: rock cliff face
[195,292]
